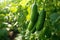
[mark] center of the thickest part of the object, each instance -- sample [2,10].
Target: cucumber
[34,13]
[40,22]
[34,17]
[30,25]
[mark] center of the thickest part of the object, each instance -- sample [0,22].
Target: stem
[44,5]
[35,1]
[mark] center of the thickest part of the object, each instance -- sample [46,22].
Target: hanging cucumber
[40,22]
[34,13]
[30,25]
[34,16]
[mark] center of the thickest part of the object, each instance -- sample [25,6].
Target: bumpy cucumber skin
[30,25]
[40,21]
[34,17]
[34,13]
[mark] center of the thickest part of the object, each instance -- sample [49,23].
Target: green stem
[44,5]
[35,1]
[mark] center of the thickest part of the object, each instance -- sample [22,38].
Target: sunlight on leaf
[13,4]
[1,0]
[29,11]
[28,17]
[24,2]
[58,3]
[13,9]
[4,2]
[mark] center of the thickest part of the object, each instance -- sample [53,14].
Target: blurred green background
[15,16]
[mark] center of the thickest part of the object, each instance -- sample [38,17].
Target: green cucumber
[40,22]
[34,13]
[34,17]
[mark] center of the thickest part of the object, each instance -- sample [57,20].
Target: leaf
[53,17]
[13,9]
[24,2]
[28,16]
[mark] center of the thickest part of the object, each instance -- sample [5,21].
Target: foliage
[15,15]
